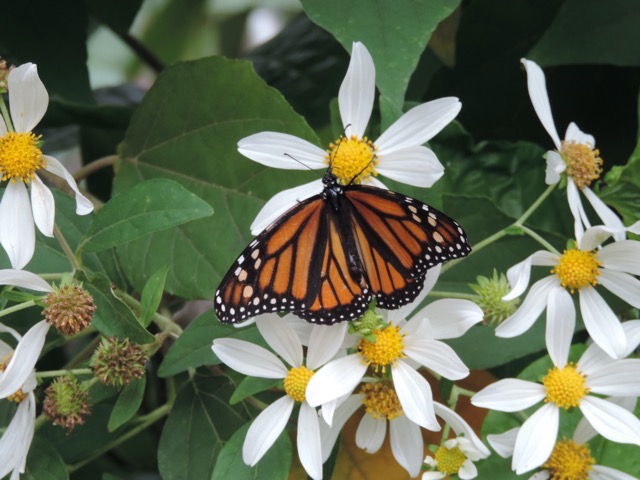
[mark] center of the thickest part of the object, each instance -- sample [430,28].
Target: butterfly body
[329,255]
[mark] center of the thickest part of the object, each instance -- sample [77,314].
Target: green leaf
[152,295]
[199,424]
[193,348]
[44,462]
[275,464]
[591,31]
[113,318]
[117,14]
[148,207]
[27,35]
[377,25]
[127,405]
[250,386]
[199,110]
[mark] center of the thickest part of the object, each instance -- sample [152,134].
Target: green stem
[256,403]
[5,114]
[463,296]
[94,166]
[143,423]
[539,239]
[476,248]
[166,324]
[464,391]
[51,276]
[65,247]
[60,373]
[535,205]
[17,308]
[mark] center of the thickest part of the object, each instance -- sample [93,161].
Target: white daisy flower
[403,346]
[454,457]
[576,156]
[567,386]
[20,160]
[17,381]
[383,407]
[255,361]
[398,153]
[611,266]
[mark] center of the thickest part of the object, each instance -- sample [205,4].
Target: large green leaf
[186,130]
[117,14]
[44,462]
[591,31]
[148,207]
[395,35]
[275,464]
[127,404]
[199,424]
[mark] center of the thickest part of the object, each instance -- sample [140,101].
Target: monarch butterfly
[329,255]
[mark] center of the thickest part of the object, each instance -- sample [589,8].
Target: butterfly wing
[298,264]
[399,238]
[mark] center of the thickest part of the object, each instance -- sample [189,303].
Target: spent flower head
[490,293]
[66,402]
[117,362]
[69,308]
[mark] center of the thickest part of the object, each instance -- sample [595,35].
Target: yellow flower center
[449,460]
[577,269]
[352,159]
[381,401]
[584,164]
[295,384]
[569,461]
[565,387]
[385,350]
[18,396]
[20,156]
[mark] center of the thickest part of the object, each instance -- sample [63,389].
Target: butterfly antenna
[344,134]
[300,162]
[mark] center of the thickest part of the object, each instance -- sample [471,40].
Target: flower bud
[491,290]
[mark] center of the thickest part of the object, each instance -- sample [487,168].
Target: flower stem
[60,373]
[535,205]
[539,239]
[5,114]
[143,423]
[464,296]
[166,324]
[65,247]
[17,308]
[94,166]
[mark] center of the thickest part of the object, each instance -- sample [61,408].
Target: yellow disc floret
[352,159]
[17,397]
[584,164]
[449,460]
[385,350]
[20,156]
[295,384]
[565,386]
[577,269]
[569,461]
[381,401]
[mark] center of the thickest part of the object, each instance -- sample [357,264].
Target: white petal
[406,444]
[283,201]
[281,150]
[249,359]
[601,323]
[433,475]
[622,285]
[632,331]
[542,475]
[608,216]
[519,274]
[24,279]
[610,420]
[83,204]
[418,125]
[28,98]
[266,429]
[451,318]
[16,439]
[555,166]
[580,219]
[594,236]
[300,326]
[337,378]
[324,343]
[374,182]
[309,450]
[417,166]
[17,233]
[509,395]
[574,134]
[415,396]
[436,356]
[600,472]
[536,439]
[43,205]
[593,359]
[537,86]
[281,338]
[24,359]
[504,443]
[370,433]
[620,378]
[329,434]
[404,312]
[356,95]
[585,432]
[622,256]
[561,322]
[461,427]
[467,470]
[533,305]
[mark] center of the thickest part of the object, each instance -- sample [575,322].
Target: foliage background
[170,87]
